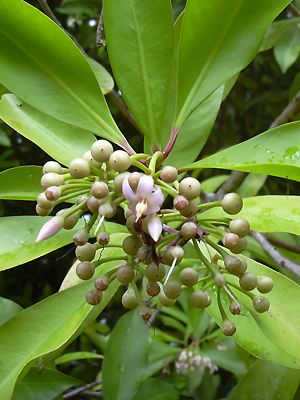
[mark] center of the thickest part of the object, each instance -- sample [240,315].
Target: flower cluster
[153,266]
[190,360]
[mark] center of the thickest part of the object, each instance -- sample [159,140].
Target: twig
[284,245]
[275,254]
[235,180]
[80,390]
[90,393]
[173,136]
[294,10]
[151,320]
[100,38]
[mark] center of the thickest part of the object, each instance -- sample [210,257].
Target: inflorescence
[100,182]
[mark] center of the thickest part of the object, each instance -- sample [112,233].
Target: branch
[233,182]
[80,390]
[275,254]
[100,38]
[284,245]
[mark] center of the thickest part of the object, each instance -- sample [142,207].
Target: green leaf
[17,238]
[212,184]
[267,213]
[275,152]
[156,389]
[276,30]
[104,78]
[251,185]
[12,183]
[61,141]
[274,334]
[77,355]
[8,309]
[126,358]
[43,66]
[46,384]
[267,381]
[217,41]
[48,325]
[140,42]
[287,48]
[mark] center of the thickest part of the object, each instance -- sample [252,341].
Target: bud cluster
[152,267]
[191,360]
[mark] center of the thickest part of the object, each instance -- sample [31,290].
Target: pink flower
[50,228]
[147,199]
[154,227]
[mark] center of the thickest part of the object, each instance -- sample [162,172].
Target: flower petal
[155,201]
[154,226]
[128,192]
[50,228]
[145,186]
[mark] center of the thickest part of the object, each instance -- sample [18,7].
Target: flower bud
[101,283]
[119,161]
[180,202]
[190,210]
[228,328]
[53,193]
[155,272]
[108,210]
[165,301]
[172,290]
[86,252]
[248,281]
[89,158]
[80,238]
[168,174]
[99,190]
[79,168]
[133,180]
[188,276]
[72,220]
[52,166]
[171,253]
[93,297]
[235,308]
[101,150]
[261,304]
[234,265]
[85,270]
[239,226]
[42,212]
[125,274]
[103,238]
[188,230]
[43,202]
[131,244]
[93,204]
[200,299]
[190,188]
[119,179]
[50,228]
[129,299]
[265,284]
[51,179]
[232,203]
[152,289]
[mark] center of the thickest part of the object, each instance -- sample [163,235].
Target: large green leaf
[276,30]
[217,41]
[125,360]
[21,183]
[266,381]
[44,67]
[104,78]
[139,38]
[43,384]
[42,329]
[274,152]
[274,335]
[287,48]
[267,213]
[8,309]
[156,389]
[61,141]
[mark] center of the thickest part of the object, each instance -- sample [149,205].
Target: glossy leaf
[275,152]
[12,183]
[126,358]
[8,309]
[267,381]
[61,141]
[156,389]
[104,78]
[274,334]
[45,384]
[276,30]
[267,213]
[78,355]
[43,66]
[217,41]
[287,48]
[140,41]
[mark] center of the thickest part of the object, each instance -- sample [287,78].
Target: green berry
[52,166]
[131,244]
[108,210]
[101,283]
[89,158]
[230,240]
[144,254]
[85,270]
[42,212]
[188,276]
[103,238]
[93,297]
[165,301]
[118,181]
[172,290]
[168,174]
[129,299]
[133,180]
[80,238]
[173,252]
[119,161]
[99,190]
[235,308]
[152,289]
[240,246]
[79,168]
[155,272]
[265,284]
[125,274]
[180,203]
[219,279]
[43,201]
[190,188]
[72,220]
[228,328]
[188,230]
[248,281]
[200,299]
[51,179]
[190,210]
[130,224]
[232,203]
[101,150]
[86,252]
[239,226]
[234,265]
[261,304]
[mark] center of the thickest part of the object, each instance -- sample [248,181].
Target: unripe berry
[265,284]
[101,283]
[261,304]
[51,179]
[240,226]
[85,270]
[79,168]
[93,297]
[219,279]
[180,202]
[200,299]
[188,277]
[131,244]
[101,150]
[152,289]
[144,254]
[190,188]
[72,220]
[53,193]
[155,272]
[133,180]
[235,265]
[165,301]
[188,230]
[240,246]
[103,238]
[232,203]
[190,210]
[118,181]
[235,308]
[108,210]
[83,198]
[129,299]
[130,224]
[119,161]
[80,238]
[93,204]
[43,202]
[125,274]
[172,290]
[168,174]
[52,166]
[42,212]
[89,158]
[86,252]
[230,240]
[99,190]
[171,253]
[248,281]
[228,328]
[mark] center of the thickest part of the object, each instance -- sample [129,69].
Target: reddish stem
[126,146]
[171,142]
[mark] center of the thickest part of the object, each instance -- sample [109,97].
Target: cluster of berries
[152,266]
